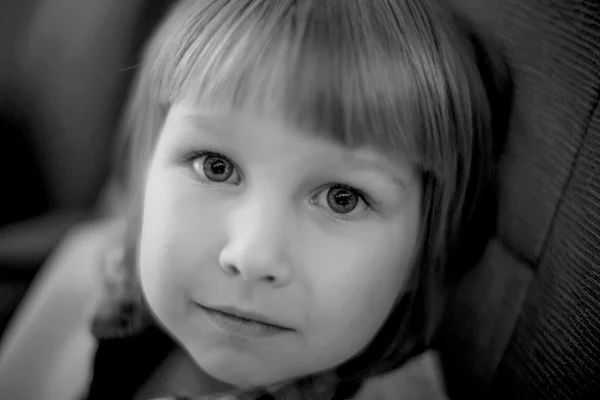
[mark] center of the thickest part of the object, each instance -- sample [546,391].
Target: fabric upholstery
[533,305]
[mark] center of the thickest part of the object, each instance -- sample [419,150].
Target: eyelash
[190,158]
[369,203]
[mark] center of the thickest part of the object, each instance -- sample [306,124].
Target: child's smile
[308,241]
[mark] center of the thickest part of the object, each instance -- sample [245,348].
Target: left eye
[341,200]
[215,168]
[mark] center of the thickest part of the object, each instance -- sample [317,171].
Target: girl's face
[307,240]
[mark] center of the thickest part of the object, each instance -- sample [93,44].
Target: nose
[257,248]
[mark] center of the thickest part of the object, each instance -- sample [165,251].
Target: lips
[246,316]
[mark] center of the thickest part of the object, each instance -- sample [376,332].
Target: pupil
[343,198]
[218,167]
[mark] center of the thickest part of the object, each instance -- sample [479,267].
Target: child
[304,180]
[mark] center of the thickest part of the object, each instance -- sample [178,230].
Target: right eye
[214,167]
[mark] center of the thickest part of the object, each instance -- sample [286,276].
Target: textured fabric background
[533,306]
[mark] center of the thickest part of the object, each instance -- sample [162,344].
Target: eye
[341,200]
[214,167]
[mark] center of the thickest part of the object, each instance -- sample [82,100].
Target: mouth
[244,324]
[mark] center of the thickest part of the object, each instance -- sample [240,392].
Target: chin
[239,377]
[234,379]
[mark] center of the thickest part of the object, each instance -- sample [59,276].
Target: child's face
[248,213]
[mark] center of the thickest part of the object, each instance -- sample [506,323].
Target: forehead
[356,93]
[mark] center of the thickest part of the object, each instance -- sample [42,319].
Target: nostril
[231,269]
[250,273]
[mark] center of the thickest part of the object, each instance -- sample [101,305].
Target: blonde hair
[396,75]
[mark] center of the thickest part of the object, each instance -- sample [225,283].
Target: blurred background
[65,70]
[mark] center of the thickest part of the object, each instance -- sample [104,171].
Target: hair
[396,75]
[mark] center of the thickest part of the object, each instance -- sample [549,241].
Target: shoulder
[48,340]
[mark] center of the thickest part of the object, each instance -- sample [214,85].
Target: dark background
[65,70]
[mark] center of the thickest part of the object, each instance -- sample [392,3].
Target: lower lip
[239,327]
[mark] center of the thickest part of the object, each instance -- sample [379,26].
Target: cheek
[356,287]
[173,238]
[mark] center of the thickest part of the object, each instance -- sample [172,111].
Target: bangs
[324,66]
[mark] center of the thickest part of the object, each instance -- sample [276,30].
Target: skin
[269,239]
